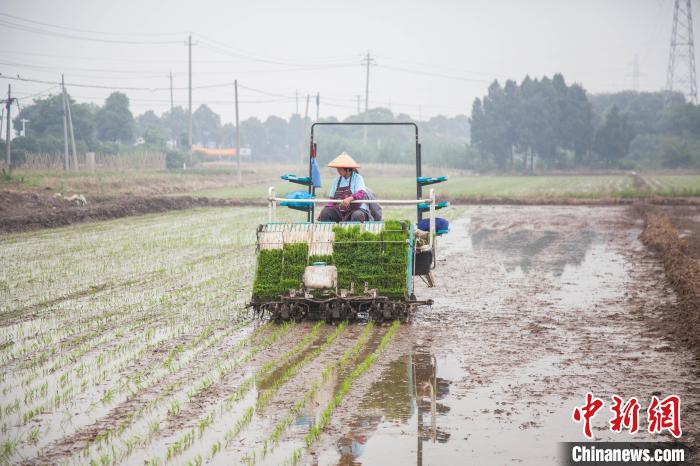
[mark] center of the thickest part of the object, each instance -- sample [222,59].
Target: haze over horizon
[431,58]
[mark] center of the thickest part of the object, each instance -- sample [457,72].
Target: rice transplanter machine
[313,270]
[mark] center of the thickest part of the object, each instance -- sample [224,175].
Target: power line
[437,75]
[433,66]
[96,70]
[145,34]
[111,59]
[90,86]
[36,30]
[222,47]
[26,97]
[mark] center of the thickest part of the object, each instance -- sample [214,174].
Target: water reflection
[531,250]
[408,394]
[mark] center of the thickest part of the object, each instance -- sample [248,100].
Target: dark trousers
[331,214]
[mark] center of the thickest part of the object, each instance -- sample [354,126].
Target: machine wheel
[297,312]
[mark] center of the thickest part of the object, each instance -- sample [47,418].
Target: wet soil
[23,211]
[574,201]
[534,307]
[674,235]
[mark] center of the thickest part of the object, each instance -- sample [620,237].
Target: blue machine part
[305,180]
[438,205]
[315,173]
[441,225]
[297,195]
[426,180]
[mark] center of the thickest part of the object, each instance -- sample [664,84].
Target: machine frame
[350,304]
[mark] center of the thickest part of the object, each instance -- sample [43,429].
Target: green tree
[276,132]
[176,123]
[680,152]
[206,126]
[227,135]
[254,135]
[578,127]
[115,123]
[612,140]
[46,123]
[148,121]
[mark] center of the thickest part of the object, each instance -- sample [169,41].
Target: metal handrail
[317,200]
[272,201]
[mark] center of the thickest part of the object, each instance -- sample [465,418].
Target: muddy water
[534,307]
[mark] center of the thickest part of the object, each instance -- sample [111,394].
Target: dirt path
[25,211]
[535,306]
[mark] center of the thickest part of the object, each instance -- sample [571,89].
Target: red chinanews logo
[661,414]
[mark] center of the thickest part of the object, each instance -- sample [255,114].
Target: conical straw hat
[343,161]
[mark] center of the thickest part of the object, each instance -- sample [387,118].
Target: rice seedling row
[262,400]
[66,325]
[128,340]
[269,444]
[161,299]
[171,400]
[74,356]
[129,407]
[184,441]
[322,421]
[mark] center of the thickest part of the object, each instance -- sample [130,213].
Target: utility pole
[318,102]
[368,60]
[189,97]
[171,93]
[72,136]
[238,134]
[681,60]
[296,97]
[65,127]
[8,139]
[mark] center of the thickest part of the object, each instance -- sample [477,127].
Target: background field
[388,181]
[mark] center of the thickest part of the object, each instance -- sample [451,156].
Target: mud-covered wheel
[297,312]
[376,313]
[280,312]
[335,312]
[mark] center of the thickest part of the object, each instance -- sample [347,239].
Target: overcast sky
[431,57]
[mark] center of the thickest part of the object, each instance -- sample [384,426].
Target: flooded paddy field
[127,342]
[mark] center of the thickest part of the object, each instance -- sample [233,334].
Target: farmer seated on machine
[348,187]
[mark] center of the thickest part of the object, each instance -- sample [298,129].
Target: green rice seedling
[107,397]
[173,354]
[279,270]
[380,259]
[33,436]
[154,427]
[174,408]
[7,450]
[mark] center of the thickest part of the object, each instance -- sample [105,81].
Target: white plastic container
[320,276]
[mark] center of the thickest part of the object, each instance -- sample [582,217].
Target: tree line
[539,124]
[545,123]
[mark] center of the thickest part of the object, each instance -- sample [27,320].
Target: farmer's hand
[346,202]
